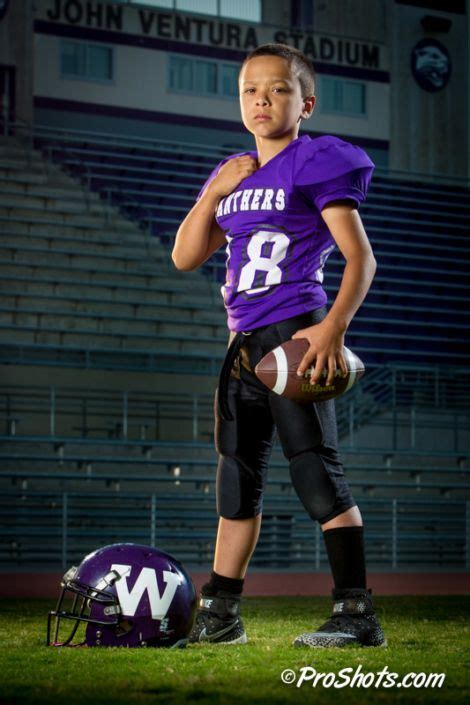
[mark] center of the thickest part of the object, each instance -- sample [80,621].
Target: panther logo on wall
[430,65]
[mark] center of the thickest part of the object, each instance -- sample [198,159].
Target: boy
[281,210]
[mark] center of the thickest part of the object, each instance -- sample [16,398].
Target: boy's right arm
[199,235]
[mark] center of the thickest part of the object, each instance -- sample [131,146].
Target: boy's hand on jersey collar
[232,173]
[326,351]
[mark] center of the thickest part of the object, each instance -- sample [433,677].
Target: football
[278,371]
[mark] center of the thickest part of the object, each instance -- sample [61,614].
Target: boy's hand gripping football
[326,351]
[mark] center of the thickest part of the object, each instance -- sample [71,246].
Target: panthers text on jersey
[278,242]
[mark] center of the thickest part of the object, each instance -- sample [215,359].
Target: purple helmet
[125,595]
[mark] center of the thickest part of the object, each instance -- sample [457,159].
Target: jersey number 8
[265,251]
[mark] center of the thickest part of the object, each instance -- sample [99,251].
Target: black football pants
[307,433]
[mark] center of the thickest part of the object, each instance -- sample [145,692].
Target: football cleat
[218,620]
[353,621]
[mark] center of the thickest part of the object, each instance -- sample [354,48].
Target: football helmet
[124,594]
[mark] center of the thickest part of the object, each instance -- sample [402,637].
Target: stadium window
[181,75]
[164,4]
[340,96]
[244,10]
[86,61]
[99,62]
[72,59]
[229,80]
[167,4]
[201,77]
[205,76]
[203,7]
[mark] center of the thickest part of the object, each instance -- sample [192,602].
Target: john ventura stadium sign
[168,30]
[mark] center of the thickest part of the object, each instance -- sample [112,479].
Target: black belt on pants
[230,357]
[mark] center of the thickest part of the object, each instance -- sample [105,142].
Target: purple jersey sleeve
[213,174]
[337,170]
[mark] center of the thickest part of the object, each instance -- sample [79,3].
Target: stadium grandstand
[113,115]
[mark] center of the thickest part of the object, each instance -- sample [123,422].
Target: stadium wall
[46,585]
[411,55]
[143,41]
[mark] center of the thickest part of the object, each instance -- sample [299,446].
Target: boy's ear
[309,104]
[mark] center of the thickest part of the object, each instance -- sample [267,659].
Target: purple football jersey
[278,242]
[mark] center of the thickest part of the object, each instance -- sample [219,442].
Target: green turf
[425,634]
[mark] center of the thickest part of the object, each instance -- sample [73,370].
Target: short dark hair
[303,65]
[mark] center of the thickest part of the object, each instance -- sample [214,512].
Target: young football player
[280,211]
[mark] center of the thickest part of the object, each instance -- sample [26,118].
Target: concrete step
[73,192]
[102,341]
[23,163]
[154,251]
[24,176]
[19,300]
[101,324]
[33,225]
[16,186]
[10,252]
[200,314]
[69,192]
[62,218]
[106,278]
[189,283]
[42,221]
[114,226]
[65,206]
[122,262]
[125,453]
[19,153]
[206,301]
[130,233]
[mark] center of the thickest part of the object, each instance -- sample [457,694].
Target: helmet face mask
[125,595]
[83,597]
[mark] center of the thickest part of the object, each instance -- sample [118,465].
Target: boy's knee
[238,493]
[313,484]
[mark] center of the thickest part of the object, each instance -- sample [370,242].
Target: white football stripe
[351,363]
[281,362]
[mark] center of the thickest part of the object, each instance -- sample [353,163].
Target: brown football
[278,371]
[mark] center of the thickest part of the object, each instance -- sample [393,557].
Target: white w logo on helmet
[147,581]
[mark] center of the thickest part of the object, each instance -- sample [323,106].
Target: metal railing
[393,397]
[55,529]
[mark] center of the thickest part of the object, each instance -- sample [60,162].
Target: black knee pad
[244,446]
[313,484]
[239,492]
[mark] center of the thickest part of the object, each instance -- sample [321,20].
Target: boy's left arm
[327,338]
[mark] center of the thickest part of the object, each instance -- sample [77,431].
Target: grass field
[425,635]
